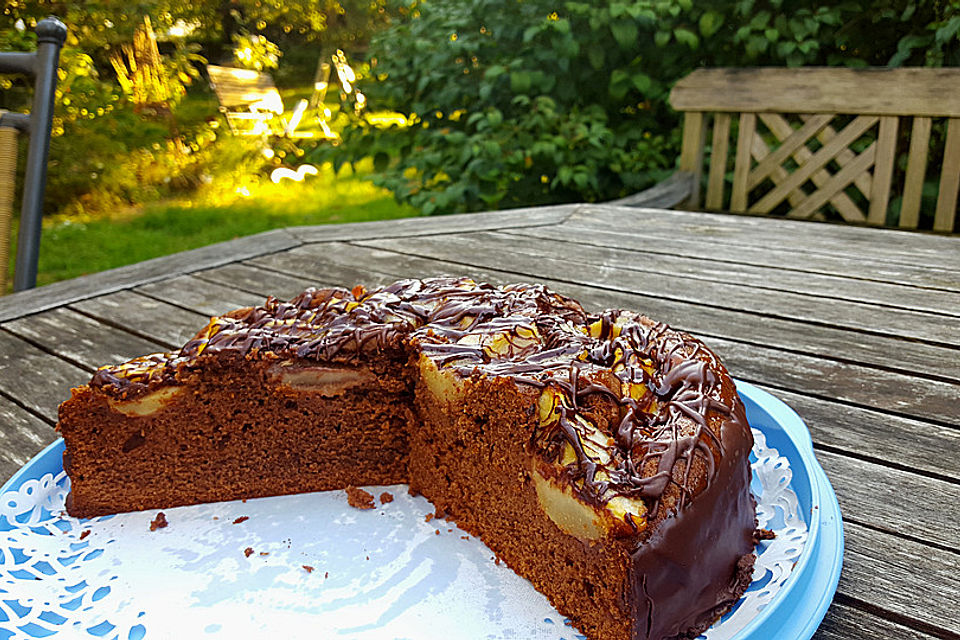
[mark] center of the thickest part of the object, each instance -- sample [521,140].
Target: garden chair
[42,65]
[819,143]
[249,99]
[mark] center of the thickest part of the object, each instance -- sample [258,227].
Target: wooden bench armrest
[664,195]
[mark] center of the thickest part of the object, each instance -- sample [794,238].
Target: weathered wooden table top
[857,329]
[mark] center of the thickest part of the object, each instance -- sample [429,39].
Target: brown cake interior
[236,432]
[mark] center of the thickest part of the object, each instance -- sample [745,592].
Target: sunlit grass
[220,212]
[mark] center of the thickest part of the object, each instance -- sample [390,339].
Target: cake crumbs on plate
[84,534]
[359,499]
[307,568]
[159,522]
[386,497]
[248,551]
[241,519]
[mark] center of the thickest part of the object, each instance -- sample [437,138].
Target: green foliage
[254,51]
[512,103]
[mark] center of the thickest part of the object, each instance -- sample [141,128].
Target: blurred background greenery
[469,105]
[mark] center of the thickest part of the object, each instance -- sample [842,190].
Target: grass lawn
[69,248]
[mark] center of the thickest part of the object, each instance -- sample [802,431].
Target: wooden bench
[249,99]
[819,143]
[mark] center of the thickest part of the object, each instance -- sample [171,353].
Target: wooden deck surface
[855,328]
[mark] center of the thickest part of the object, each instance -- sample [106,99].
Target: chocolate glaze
[524,332]
[679,441]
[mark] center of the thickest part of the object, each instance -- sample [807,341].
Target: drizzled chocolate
[661,385]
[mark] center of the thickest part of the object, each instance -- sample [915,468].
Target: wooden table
[857,329]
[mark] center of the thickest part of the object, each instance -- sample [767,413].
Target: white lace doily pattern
[306,562]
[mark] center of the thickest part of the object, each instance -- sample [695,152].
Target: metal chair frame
[42,65]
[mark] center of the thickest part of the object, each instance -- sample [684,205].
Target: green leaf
[494,117]
[642,82]
[625,33]
[687,37]
[620,83]
[661,38]
[772,34]
[710,23]
[494,71]
[520,82]
[596,57]
[947,31]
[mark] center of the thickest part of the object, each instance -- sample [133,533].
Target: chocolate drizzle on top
[661,384]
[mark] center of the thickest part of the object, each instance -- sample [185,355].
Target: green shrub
[512,103]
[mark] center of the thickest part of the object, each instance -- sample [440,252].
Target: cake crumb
[264,553]
[386,497]
[428,518]
[326,574]
[85,533]
[764,534]
[241,519]
[248,551]
[464,537]
[159,522]
[359,499]
[438,531]
[308,568]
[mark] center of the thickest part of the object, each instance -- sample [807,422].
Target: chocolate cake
[604,457]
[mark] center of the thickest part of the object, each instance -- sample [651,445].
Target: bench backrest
[812,139]
[243,89]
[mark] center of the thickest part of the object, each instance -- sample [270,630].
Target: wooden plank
[876,435]
[778,174]
[886,499]
[879,569]
[656,242]
[691,153]
[259,281]
[155,320]
[780,304]
[37,380]
[877,389]
[844,205]
[836,184]
[59,293]
[194,294]
[22,435]
[704,267]
[885,92]
[80,339]
[816,162]
[864,182]
[664,195]
[309,263]
[946,215]
[916,173]
[791,140]
[513,218]
[741,169]
[883,170]
[718,161]
[791,236]
[843,622]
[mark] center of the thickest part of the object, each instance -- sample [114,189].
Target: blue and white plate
[314,567]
